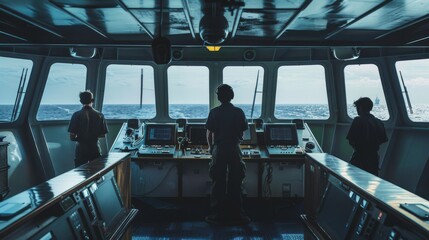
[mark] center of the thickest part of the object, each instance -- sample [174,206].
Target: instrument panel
[167,140]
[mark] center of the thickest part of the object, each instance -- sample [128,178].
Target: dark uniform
[365,135]
[227,122]
[88,124]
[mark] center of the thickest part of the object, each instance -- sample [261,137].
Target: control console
[197,152]
[157,151]
[250,152]
[284,150]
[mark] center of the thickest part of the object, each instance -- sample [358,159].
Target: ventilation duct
[83,52]
[346,53]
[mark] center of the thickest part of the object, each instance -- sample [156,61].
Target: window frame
[40,88]
[27,97]
[329,83]
[377,64]
[264,77]
[396,79]
[342,103]
[102,85]
[210,82]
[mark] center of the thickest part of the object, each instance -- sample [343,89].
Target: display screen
[196,134]
[160,134]
[109,203]
[281,134]
[333,217]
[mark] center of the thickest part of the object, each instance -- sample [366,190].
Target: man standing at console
[225,126]
[86,126]
[365,135]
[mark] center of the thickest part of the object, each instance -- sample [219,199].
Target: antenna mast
[406,94]
[254,95]
[141,89]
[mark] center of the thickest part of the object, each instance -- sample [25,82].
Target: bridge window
[243,80]
[13,81]
[188,91]
[129,92]
[414,84]
[61,95]
[363,80]
[301,93]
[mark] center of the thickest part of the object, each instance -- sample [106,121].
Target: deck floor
[184,219]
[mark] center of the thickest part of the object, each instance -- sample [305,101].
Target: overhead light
[213,29]
[213,48]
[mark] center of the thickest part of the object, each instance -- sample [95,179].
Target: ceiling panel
[285,22]
[152,4]
[328,15]
[274,4]
[394,15]
[108,20]
[264,24]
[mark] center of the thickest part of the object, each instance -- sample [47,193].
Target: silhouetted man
[225,126]
[365,135]
[86,126]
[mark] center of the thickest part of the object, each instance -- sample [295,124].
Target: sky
[190,84]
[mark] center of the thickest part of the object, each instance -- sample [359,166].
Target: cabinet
[4,186]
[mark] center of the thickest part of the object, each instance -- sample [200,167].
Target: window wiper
[406,94]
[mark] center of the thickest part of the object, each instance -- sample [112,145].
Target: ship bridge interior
[287,61]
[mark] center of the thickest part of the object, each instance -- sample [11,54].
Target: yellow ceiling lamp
[213,48]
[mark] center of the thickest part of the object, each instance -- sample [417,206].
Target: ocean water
[200,111]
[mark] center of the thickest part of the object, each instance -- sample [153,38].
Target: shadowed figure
[225,126]
[86,126]
[365,135]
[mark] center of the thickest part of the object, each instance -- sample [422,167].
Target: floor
[184,219]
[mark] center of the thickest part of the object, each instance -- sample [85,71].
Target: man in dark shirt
[365,135]
[86,126]
[225,126]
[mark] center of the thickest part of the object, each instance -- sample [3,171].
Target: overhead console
[84,203]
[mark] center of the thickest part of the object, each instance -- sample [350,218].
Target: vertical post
[254,95]
[406,93]
[141,89]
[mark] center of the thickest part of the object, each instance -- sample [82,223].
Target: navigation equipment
[196,133]
[336,218]
[160,134]
[280,134]
[109,203]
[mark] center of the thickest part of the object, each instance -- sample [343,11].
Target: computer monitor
[160,134]
[249,136]
[196,133]
[108,202]
[280,134]
[336,211]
